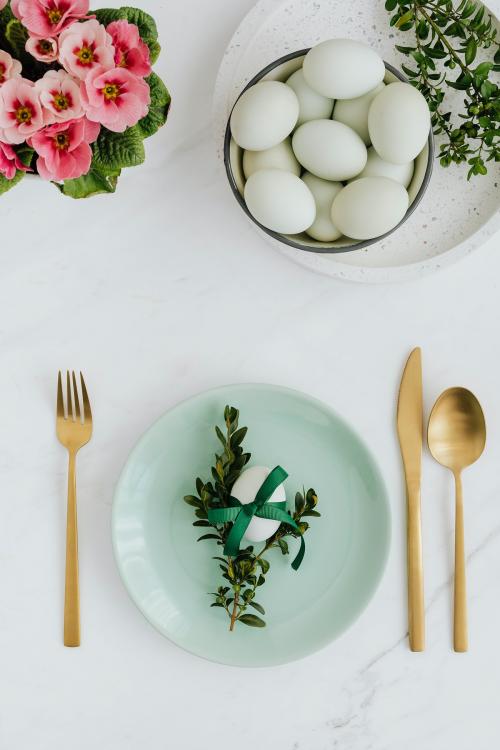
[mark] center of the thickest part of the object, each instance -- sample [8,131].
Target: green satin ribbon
[241,515]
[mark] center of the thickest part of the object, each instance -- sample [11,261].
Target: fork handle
[72,588]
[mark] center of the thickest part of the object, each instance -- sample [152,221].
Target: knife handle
[416,612]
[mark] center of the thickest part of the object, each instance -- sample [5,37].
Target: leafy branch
[447,37]
[246,572]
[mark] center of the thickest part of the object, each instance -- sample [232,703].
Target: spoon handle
[460,638]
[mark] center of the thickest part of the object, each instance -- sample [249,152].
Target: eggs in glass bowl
[329,149]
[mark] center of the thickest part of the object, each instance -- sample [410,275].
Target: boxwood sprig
[245,573]
[447,36]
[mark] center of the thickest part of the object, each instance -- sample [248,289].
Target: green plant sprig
[447,37]
[246,572]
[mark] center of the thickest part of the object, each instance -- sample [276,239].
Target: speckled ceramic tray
[455,216]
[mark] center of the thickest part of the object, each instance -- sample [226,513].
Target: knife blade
[410,433]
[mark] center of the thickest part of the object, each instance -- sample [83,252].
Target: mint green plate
[168,574]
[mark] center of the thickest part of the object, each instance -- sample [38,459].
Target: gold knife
[410,431]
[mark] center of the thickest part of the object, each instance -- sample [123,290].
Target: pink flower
[3,3]
[10,162]
[9,68]
[63,149]
[59,96]
[47,18]
[20,110]
[116,98]
[45,50]
[85,46]
[130,51]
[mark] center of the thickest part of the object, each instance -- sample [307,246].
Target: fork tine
[60,399]
[87,413]
[75,395]
[69,397]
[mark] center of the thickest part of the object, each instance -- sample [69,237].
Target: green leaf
[404,19]
[16,35]
[252,620]
[238,437]
[154,50]
[470,50]
[264,565]
[6,184]
[258,607]
[390,4]
[108,15]
[25,154]
[119,150]
[158,109]
[207,536]
[462,83]
[436,52]
[97,181]
[192,500]
[283,546]
[481,72]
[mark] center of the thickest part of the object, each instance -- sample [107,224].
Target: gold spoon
[456,437]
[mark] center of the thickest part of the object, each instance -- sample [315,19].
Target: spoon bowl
[456,436]
[457,430]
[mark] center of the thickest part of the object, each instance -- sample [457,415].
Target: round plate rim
[384,500]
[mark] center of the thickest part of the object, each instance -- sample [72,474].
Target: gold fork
[74,430]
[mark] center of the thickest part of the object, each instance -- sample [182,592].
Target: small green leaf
[6,184]
[119,150]
[158,108]
[208,536]
[252,620]
[470,50]
[108,15]
[404,19]
[283,546]
[17,36]
[258,607]
[192,500]
[25,154]
[98,180]
[264,565]
[390,4]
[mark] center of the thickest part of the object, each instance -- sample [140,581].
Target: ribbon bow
[241,515]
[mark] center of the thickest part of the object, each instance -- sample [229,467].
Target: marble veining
[164,290]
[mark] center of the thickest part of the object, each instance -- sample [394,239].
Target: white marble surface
[157,293]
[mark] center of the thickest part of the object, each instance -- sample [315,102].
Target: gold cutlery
[457,436]
[74,430]
[410,432]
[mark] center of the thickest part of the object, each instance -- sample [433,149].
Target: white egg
[323,229]
[354,112]
[312,106]
[369,207]
[329,149]
[343,68]
[245,489]
[280,201]
[399,122]
[377,167]
[264,115]
[277,157]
